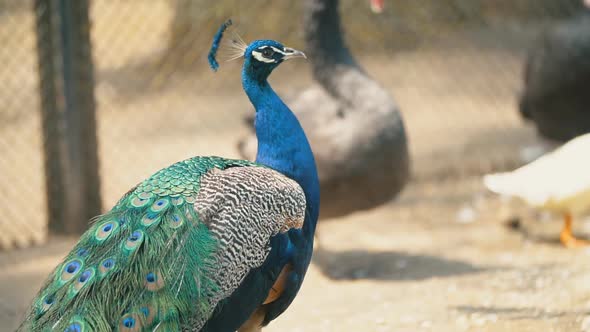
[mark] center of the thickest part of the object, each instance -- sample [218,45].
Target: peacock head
[261,57]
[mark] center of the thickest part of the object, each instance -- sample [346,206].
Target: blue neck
[282,144]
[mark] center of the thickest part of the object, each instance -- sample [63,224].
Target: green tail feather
[141,265]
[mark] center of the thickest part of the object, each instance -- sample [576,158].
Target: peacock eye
[268,52]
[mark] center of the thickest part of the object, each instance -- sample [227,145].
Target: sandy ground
[439,258]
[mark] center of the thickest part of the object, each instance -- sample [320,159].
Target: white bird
[558,181]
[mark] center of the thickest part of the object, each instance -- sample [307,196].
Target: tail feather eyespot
[130,323]
[175,220]
[76,324]
[154,281]
[139,201]
[104,230]
[84,279]
[160,205]
[150,219]
[106,266]
[134,240]
[70,270]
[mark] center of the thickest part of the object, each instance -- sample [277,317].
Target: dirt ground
[441,257]
[438,259]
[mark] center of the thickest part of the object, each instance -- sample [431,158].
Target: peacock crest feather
[142,265]
[228,49]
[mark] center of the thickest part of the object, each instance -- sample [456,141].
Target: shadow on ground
[516,313]
[387,265]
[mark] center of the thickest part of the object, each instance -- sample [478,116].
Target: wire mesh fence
[454,67]
[21,164]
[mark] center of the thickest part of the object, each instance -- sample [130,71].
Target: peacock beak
[377,6]
[291,53]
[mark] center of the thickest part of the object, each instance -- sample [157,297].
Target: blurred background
[88,108]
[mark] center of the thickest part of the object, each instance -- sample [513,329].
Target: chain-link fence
[454,67]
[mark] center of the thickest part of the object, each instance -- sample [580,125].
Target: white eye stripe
[258,56]
[278,50]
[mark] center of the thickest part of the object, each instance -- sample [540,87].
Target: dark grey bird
[354,126]
[556,80]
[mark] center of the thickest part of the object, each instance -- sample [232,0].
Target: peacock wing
[169,250]
[244,208]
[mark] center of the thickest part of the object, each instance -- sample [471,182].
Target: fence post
[68,114]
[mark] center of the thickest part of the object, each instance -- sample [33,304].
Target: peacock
[354,126]
[206,244]
[557,72]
